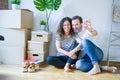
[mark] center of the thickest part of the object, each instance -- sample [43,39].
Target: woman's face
[66,26]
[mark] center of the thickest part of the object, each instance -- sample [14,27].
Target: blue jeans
[93,54]
[59,61]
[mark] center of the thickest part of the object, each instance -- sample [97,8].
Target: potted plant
[15,4]
[48,6]
[43,25]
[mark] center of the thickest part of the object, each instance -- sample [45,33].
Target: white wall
[98,11]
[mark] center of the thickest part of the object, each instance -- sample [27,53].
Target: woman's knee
[49,59]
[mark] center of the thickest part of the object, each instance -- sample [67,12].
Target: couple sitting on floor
[75,50]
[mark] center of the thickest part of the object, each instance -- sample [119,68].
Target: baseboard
[111,63]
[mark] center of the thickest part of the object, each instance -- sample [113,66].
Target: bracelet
[91,30]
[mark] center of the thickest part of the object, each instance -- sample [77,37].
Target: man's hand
[87,25]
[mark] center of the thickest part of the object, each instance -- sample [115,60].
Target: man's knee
[82,67]
[79,66]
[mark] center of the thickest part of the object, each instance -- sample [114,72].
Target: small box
[38,46]
[37,55]
[16,19]
[41,36]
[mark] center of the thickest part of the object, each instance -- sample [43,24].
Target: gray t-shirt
[66,44]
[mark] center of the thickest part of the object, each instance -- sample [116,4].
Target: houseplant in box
[15,4]
[43,25]
[48,6]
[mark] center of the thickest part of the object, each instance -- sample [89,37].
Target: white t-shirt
[84,34]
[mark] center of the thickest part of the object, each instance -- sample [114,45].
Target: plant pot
[15,7]
[43,27]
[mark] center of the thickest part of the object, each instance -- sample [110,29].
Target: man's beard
[77,30]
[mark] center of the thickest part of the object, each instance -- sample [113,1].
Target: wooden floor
[47,72]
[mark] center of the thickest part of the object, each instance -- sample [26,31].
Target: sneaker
[31,67]
[25,67]
[37,67]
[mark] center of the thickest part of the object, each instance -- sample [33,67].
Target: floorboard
[48,72]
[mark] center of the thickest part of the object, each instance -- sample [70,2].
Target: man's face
[77,27]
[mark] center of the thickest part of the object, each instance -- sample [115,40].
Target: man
[90,55]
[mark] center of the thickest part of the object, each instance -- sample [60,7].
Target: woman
[65,44]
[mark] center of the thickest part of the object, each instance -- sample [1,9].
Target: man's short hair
[77,17]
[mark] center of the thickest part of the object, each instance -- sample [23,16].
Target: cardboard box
[38,46]
[37,55]
[12,54]
[16,19]
[41,36]
[15,37]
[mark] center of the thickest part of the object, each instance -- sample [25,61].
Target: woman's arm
[77,48]
[59,49]
[72,52]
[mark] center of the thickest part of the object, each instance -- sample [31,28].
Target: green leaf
[57,4]
[40,4]
[15,2]
[49,4]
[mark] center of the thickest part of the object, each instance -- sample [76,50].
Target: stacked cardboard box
[15,27]
[38,47]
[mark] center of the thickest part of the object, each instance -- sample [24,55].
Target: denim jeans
[59,61]
[93,54]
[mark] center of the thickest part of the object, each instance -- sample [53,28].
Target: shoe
[31,67]
[25,67]
[37,67]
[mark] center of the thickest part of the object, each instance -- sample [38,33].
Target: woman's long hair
[60,30]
